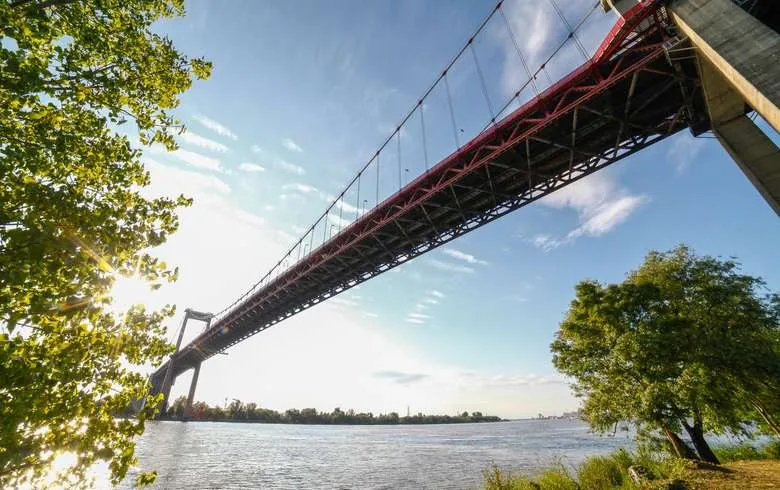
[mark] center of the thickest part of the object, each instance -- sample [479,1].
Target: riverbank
[744,467]
[238,411]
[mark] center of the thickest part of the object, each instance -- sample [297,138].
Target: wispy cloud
[291,145]
[278,161]
[415,321]
[290,167]
[205,143]
[400,377]
[421,316]
[213,125]
[450,267]
[251,167]
[524,380]
[431,301]
[198,160]
[196,180]
[337,220]
[601,206]
[343,301]
[302,188]
[457,254]
[437,294]
[684,150]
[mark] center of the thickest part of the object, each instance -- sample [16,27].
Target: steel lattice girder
[628,98]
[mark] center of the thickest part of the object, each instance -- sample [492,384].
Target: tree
[73,219]
[685,342]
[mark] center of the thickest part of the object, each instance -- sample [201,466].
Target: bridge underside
[632,94]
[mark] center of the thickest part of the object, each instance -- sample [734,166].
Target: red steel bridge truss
[631,94]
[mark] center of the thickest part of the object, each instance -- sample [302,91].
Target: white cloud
[338,221]
[457,254]
[196,181]
[198,160]
[251,167]
[539,31]
[684,150]
[342,301]
[450,267]
[547,242]
[290,167]
[291,145]
[197,140]
[215,126]
[256,149]
[431,301]
[437,294]
[421,316]
[415,321]
[601,206]
[302,188]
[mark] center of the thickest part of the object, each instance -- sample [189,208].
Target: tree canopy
[684,342]
[73,219]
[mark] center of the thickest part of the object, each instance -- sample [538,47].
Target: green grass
[595,473]
[611,471]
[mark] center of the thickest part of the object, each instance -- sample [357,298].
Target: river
[232,455]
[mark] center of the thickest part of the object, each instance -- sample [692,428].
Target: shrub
[601,472]
[772,450]
[498,479]
[737,452]
[556,479]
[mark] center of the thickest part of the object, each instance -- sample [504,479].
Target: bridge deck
[629,96]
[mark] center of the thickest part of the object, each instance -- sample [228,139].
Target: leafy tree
[73,219]
[685,342]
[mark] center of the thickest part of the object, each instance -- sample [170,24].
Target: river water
[232,455]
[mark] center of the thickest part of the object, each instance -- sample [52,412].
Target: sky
[302,95]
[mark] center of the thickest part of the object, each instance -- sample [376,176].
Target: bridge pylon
[169,379]
[737,46]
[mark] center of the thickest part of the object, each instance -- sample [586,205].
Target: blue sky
[302,95]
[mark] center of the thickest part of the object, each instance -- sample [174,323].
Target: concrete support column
[741,48]
[618,6]
[168,380]
[191,395]
[739,63]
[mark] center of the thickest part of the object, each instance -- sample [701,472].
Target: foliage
[595,473]
[494,478]
[601,472]
[684,342]
[742,452]
[237,411]
[73,219]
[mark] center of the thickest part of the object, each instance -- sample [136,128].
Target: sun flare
[128,291]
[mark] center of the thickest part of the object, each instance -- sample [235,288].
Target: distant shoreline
[487,420]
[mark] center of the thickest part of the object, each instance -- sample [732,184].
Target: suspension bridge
[665,66]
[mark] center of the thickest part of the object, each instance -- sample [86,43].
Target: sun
[128,291]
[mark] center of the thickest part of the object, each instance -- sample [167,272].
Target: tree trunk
[697,437]
[678,445]
[768,418]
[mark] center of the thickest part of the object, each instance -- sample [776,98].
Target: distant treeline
[238,411]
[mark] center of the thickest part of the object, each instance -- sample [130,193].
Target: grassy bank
[744,467]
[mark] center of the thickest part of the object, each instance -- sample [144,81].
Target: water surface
[204,455]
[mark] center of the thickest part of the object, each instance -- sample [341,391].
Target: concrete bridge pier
[191,395]
[739,64]
[169,379]
[739,68]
